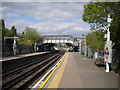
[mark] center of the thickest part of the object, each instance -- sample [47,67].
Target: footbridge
[58,39]
[61,40]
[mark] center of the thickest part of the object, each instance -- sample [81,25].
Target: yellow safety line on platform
[48,77]
[41,86]
[56,80]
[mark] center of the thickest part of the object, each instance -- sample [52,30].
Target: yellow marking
[41,86]
[56,80]
[49,76]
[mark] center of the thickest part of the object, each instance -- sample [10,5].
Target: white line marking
[41,80]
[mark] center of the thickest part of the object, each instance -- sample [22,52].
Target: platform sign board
[108,52]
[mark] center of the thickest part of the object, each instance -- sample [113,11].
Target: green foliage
[114,28]
[0,31]
[96,12]
[93,12]
[4,32]
[29,37]
[95,40]
[13,31]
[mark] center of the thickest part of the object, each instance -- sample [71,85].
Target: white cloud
[50,27]
[45,11]
[78,29]
[9,15]
[0,9]
[48,0]
[19,24]
[56,18]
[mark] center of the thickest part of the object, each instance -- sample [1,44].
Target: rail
[24,76]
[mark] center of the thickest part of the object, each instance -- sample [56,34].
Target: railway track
[17,69]
[22,77]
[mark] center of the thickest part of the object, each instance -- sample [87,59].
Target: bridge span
[49,41]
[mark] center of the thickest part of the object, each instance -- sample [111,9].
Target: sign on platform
[108,53]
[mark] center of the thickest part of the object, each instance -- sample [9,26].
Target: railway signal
[108,46]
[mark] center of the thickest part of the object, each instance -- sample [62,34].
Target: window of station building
[68,38]
[57,38]
[49,38]
[62,38]
[53,38]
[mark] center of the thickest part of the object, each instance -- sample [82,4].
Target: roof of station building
[57,36]
[61,36]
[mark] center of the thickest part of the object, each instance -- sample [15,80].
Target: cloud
[9,15]
[45,11]
[60,28]
[52,18]
[46,0]
[50,28]
[76,33]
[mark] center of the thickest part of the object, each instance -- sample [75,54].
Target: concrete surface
[83,73]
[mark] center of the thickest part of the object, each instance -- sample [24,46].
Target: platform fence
[7,49]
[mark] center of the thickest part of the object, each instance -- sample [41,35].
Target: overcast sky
[61,18]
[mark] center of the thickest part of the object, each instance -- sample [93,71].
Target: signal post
[108,47]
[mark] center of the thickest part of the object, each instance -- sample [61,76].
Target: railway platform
[78,72]
[21,56]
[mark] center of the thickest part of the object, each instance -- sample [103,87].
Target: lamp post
[80,45]
[35,48]
[14,46]
[14,43]
[85,46]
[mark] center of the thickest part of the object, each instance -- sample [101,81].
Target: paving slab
[83,73]
[71,78]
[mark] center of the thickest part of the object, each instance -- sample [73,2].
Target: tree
[96,13]
[96,40]
[0,31]
[4,32]
[13,31]
[29,36]
[2,24]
